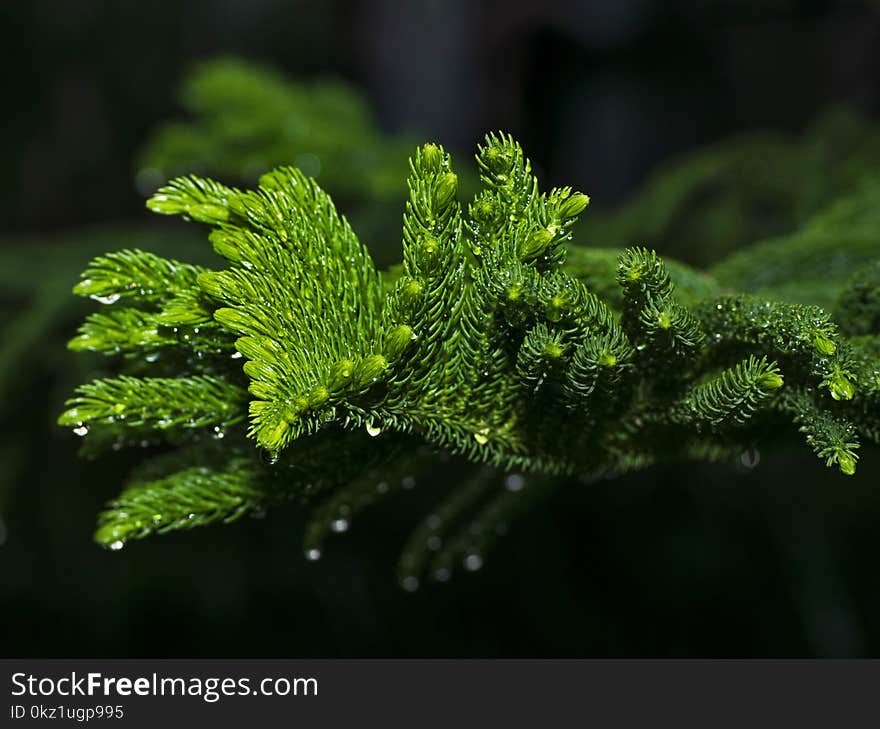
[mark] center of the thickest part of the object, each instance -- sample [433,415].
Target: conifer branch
[831,437]
[189,402]
[494,341]
[734,396]
[136,275]
[193,497]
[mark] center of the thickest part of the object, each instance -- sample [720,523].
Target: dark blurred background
[777,560]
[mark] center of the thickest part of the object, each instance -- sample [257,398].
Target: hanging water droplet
[109,299]
[235,355]
[750,458]
[151,357]
[473,562]
[410,583]
[218,432]
[313,555]
[117,545]
[339,525]
[81,429]
[268,457]
[373,430]
[514,482]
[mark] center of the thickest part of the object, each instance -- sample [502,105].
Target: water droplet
[514,482]
[410,583]
[218,432]
[442,575]
[750,458]
[339,525]
[473,562]
[81,429]
[235,355]
[109,299]
[408,482]
[373,430]
[313,555]
[382,487]
[151,357]
[434,543]
[117,545]
[268,457]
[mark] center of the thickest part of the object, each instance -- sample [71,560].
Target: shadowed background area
[770,557]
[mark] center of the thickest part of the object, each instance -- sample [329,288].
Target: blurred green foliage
[757,186]
[245,119]
[812,263]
